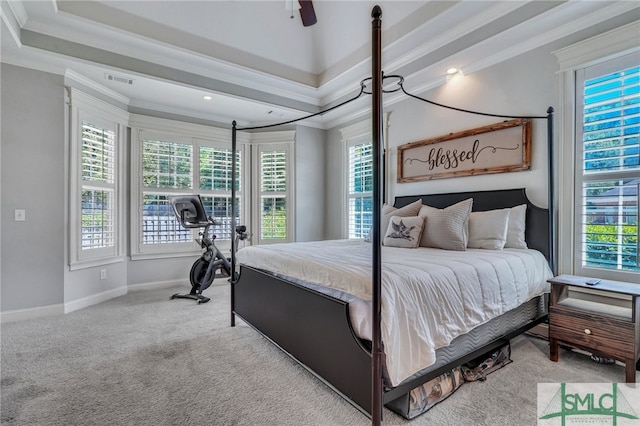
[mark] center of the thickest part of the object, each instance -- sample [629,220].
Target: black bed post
[233,221]
[551,192]
[376,119]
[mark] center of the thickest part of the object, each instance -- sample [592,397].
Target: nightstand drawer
[599,332]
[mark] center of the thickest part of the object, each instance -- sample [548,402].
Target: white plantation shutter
[98,153]
[167,164]
[175,165]
[273,195]
[360,187]
[167,169]
[273,205]
[98,206]
[608,172]
[215,186]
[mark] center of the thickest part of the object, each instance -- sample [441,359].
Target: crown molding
[13,17]
[91,84]
[615,42]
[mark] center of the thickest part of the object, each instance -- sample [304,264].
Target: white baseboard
[30,313]
[94,299]
[158,285]
[74,305]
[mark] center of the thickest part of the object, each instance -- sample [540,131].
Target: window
[98,224]
[216,181]
[167,166]
[96,134]
[360,184]
[608,176]
[273,195]
[273,219]
[178,158]
[358,179]
[597,230]
[171,163]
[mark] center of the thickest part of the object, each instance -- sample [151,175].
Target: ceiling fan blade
[307,13]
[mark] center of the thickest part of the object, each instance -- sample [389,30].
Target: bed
[317,327]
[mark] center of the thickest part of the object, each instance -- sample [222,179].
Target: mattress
[429,296]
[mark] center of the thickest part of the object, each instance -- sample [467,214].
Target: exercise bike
[191,214]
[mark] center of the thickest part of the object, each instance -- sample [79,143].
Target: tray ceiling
[258,64]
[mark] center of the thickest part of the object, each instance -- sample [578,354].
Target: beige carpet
[143,359]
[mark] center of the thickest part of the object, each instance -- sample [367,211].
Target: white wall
[525,85]
[309,189]
[513,87]
[35,276]
[32,179]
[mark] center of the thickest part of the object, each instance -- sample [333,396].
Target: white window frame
[265,142]
[351,196]
[196,136]
[352,135]
[84,107]
[572,59]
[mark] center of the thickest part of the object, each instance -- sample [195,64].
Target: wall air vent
[115,78]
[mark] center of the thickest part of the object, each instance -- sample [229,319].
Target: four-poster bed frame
[315,329]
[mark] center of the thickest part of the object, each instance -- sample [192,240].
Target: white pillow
[404,231]
[446,228]
[516,227]
[488,230]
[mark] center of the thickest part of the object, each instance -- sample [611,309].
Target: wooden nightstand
[605,329]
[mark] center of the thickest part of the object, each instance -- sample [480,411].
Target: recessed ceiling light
[207,98]
[452,71]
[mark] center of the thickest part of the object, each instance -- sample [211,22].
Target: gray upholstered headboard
[537,222]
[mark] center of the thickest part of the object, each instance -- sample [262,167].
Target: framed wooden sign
[497,148]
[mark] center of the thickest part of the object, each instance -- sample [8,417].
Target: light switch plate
[20,215]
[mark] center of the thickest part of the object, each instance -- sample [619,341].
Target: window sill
[167,255]
[83,264]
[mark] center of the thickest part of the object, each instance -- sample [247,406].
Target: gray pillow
[404,231]
[446,228]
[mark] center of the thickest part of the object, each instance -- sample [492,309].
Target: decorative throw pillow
[446,228]
[404,231]
[388,211]
[488,230]
[515,230]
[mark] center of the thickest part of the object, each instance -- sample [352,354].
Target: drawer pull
[587,331]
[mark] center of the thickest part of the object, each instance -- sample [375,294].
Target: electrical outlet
[20,215]
[103,274]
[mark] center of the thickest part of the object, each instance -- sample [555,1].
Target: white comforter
[429,296]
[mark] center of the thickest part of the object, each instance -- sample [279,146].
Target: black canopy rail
[377,78]
[400,84]
[235,128]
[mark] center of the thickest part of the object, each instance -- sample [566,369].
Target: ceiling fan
[307,12]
